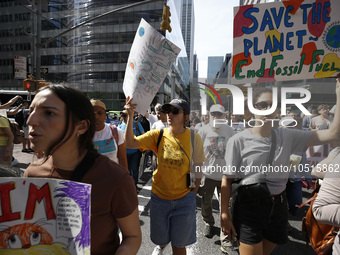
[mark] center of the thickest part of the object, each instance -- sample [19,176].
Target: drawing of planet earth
[141,31]
[333,37]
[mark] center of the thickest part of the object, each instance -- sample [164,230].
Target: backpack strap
[82,168]
[192,138]
[160,137]
[114,132]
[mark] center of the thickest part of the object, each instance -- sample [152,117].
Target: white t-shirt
[152,119]
[214,144]
[105,143]
[159,125]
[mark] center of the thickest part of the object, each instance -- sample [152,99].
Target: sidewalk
[23,158]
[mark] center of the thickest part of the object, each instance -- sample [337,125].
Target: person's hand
[227,226]
[130,108]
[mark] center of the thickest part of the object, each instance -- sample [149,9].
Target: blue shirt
[140,128]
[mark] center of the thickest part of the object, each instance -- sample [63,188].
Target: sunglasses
[216,114]
[263,105]
[174,111]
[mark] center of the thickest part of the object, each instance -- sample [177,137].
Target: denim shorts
[173,220]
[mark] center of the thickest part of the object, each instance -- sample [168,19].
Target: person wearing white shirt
[162,121]
[108,140]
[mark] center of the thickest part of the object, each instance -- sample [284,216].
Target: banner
[44,216]
[150,60]
[20,67]
[286,40]
[315,154]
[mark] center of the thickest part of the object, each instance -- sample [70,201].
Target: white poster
[44,216]
[150,60]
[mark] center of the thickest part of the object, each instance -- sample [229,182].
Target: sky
[213,30]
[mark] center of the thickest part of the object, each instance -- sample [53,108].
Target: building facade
[214,66]
[91,58]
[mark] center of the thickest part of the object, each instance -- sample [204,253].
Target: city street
[295,246]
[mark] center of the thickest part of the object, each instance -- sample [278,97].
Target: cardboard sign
[317,153]
[286,40]
[150,60]
[44,216]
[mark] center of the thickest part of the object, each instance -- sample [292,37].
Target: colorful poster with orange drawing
[44,216]
[150,60]
[288,40]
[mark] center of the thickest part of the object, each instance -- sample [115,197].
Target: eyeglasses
[216,114]
[123,115]
[263,105]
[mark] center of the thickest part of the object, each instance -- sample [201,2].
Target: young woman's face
[47,120]
[176,117]
[100,116]
[265,99]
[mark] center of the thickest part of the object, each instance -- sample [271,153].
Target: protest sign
[150,59]
[315,154]
[44,216]
[286,40]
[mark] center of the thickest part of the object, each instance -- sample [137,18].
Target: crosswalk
[144,197]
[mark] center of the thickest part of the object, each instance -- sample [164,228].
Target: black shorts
[265,218]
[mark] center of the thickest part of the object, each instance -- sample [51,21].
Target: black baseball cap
[177,103]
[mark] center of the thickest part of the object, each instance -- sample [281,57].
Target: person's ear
[82,127]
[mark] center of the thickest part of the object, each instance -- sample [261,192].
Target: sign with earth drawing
[151,57]
[288,40]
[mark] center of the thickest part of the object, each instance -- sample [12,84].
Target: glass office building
[91,58]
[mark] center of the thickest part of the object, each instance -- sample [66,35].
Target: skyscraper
[214,65]
[91,58]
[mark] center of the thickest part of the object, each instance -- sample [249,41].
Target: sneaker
[208,231]
[158,250]
[14,162]
[229,249]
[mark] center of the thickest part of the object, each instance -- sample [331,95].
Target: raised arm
[10,102]
[130,141]
[333,133]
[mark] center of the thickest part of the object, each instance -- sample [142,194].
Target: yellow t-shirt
[3,138]
[169,179]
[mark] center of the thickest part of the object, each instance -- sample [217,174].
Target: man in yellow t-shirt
[6,142]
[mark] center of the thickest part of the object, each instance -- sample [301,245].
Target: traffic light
[165,24]
[34,85]
[31,85]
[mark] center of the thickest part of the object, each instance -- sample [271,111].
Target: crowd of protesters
[254,206]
